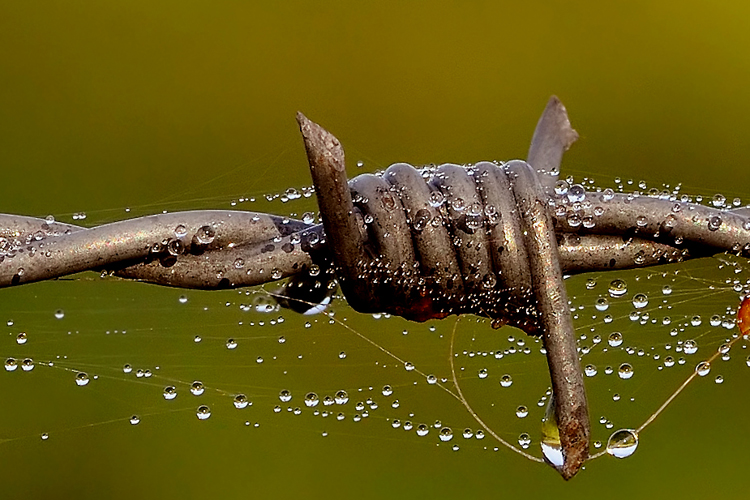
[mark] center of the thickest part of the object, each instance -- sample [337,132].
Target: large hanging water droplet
[622,443]
[551,446]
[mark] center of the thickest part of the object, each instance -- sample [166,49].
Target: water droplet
[135,420]
[602,304]
[422,430]
[240,401]
[21,338]
[44,436]
[615,339]
[618,288]
[285,396]
[11,364]
[522,411]
[524,440]
[714,223]
[231,344]
[666,290]
[180,230]
[197,388]
[640,300]
[690,347]
[205,235]
[311,399]
[341,397]
[170,392]
[203,412]
[703,368]
[59,314]
[431,379]
[506,380]
[622,443]
[483,373]
[576,193]
[590,370]
[342,355]
[82,379]
[561,187]
[27,364]
[625,371]
[446,434]
[408,366]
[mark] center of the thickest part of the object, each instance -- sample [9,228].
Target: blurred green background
[118,109]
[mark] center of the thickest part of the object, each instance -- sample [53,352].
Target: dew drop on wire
[703,368]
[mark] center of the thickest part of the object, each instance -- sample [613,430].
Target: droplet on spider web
[622,443]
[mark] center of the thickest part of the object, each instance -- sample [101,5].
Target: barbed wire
[493,239]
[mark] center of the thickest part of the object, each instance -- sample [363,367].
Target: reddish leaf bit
[743,316]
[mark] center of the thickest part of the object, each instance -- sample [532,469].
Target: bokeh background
[116,109]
